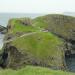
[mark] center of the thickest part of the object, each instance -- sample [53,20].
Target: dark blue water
[70,61]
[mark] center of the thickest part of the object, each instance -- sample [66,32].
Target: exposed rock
[26,21]
[61,26]
[37,52]
[3,29]
[12,58]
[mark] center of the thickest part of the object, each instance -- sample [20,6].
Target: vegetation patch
[40,48]
[30,70]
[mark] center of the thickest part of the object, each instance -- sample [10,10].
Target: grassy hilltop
[38,48]
[36,42]
[59,24]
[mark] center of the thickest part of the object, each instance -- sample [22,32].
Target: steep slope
[17,27]
[61,25]
[42,48]
[44,41]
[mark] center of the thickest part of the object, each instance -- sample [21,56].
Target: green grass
[30,70]
[43,46]
[40,23]
[18,27]
[59,24]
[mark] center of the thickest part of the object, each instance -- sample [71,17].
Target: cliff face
[43,41]
[61,26]
[27,44]
[40,49]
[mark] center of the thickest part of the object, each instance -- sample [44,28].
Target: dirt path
[26,34]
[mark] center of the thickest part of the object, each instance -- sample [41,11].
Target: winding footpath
[26,34]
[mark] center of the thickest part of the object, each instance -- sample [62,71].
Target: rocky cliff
[61,26]
[43,41]
[3,29]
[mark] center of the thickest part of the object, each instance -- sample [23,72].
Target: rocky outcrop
[60,25]
[19,56]
[23,51]
[3,29]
